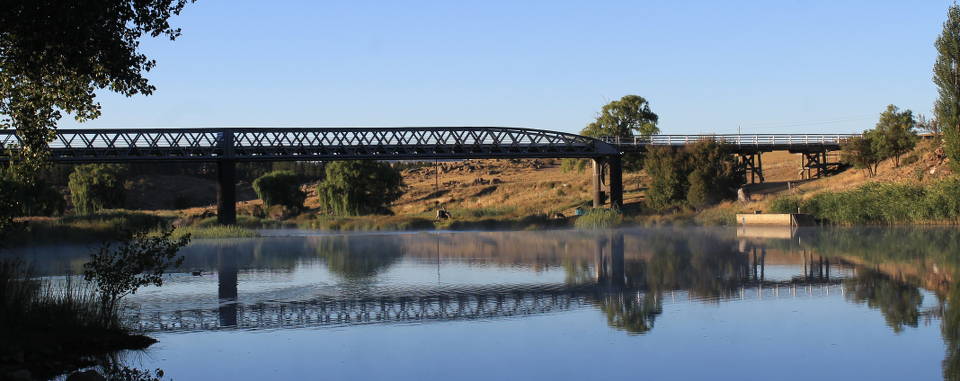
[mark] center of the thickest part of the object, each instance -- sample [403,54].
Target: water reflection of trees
[898,302]
[704,265]
[633,313]
[357,257]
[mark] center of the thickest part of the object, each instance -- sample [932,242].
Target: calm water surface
[662,304]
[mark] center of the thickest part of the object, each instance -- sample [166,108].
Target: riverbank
[48,328]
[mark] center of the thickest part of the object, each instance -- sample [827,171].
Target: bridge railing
[734,139]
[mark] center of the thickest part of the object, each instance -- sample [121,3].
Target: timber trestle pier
[227,146]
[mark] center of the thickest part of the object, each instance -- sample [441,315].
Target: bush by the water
[599,218]
[95,187]
[881,203]
[280,188]
[352,188]
[701,174]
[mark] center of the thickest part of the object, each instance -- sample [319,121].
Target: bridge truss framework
[227,146]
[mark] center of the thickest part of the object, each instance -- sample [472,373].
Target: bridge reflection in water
[627,291]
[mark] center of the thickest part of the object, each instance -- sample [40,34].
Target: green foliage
[785,205]
[945,74]
[46,70]
[893,136]
[599,218]
[359,187]
[119,269]
[94,187]
[883,203]
[713,173]
[667,171]
[894,133]
[280,188]
[701,174]
[626,117]
[861,153]
[216,231]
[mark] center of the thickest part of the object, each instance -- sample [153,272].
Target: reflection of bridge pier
[818,268]
[610,268]
[227,288]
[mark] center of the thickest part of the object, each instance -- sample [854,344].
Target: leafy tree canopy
[280,188]
[54,56]
[628,116]
[894,134]
[94,187]
[946,76]
[359,187]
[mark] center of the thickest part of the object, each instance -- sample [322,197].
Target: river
[650,303]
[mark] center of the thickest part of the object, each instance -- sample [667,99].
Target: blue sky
[705,66]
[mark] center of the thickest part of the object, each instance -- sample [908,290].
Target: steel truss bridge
[479,304]
[226,146]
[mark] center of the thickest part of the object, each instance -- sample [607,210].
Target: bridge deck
[741,143]
[402,143]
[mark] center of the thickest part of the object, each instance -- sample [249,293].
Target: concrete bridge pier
[227,192]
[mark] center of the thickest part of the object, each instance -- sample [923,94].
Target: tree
[713,173]
[666,169]
[56,55]
[624,118]
[894,134]
[359,187]
[139,260]
[94,187]
[946,75]
[701,174]
[629,116]
[861,153]
[280,188]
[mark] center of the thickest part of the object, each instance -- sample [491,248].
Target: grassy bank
[880,203]
[462,220]
[88,228]
[47,329]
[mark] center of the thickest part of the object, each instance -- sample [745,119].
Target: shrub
[280,188]
[599,218]
[860,152]
[879,203]
[140,260]
[95,187]
[785,205]
[668,184]
[359,187]
[701,174]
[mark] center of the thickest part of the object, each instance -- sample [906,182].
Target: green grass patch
[368,223]
[216,231]
[599,218]
[881,203]
[87,228]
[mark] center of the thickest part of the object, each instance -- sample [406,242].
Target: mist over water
[660,303]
